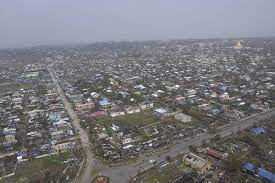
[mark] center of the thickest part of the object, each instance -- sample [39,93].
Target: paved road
[121,174]
[91,162]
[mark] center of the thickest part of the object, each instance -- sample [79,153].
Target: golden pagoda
[238,45]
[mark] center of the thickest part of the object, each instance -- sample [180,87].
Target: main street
[91,163]
[121,174]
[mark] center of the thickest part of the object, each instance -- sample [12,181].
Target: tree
[212,130]
[192,148]
[204,143]
[168,158]
[216,138]
[232,164]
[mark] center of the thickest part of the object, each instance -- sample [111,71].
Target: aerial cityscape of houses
[163,111]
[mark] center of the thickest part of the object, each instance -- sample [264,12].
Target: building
[98,114]
[85,107]
[160,112]
[64,145]
[259,172]
[266,175]
[183,117]
[249,168]
[197,162]
[224,97]
[238,45]
[132,109]
[116,113]
[104,103]
[127,141]
[146,105]
[216,153]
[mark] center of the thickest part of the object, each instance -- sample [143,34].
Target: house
[34,137]
[183,117]
[224,97]
[146,105]
[57,135]
[22,154]
[36,114]
[266,175]
[85,107]
[123,94]
[104,103]
[102,136]
[74,98]
[98,114]
[216,153]
[64,145]
[115,128]
[191,92]
[260,172]
[116,113]
[163,164]
[94,95]
[140,87]
[128,146]
[132,109]
[10,138]
[127,141]
[179,100]
[197,162]
[160,112]
[55,116]
[62,125]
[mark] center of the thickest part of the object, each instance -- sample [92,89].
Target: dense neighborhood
[138,100]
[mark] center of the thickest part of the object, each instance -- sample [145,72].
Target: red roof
[215,153]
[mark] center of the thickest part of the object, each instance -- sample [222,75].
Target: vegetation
[40,169]
[130,120]
[233,163]
[192,148]
[216,138]
[102,179]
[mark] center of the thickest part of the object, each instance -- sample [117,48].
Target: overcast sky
[43,22]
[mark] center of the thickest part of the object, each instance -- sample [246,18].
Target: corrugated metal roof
[250,167]
[266,174]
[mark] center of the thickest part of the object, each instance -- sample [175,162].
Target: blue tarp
[104,102]
[258,131]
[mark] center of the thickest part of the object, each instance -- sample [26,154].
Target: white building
[183,117]
[146,105]
[117,113]
[132,109]
[197,162]
[127,141]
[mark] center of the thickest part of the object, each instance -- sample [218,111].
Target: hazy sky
[40,22]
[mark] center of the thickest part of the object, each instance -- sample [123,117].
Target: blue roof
[258,131]
[104,102]
[266,174]
[249,167]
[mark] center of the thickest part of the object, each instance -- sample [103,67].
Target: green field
[130,120]
[31,171]
[168,173]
